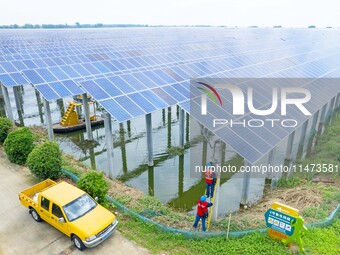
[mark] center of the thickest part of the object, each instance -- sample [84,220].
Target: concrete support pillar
[180,175]
[322,119]
[8,107]
[271,161]
[169,127]
[245,187]
[312,133]
[18,105]
[109,143]
[48,118]
[220,158]
[290,146]
[181,128]
[123,148]
[40,106]
[148,122]
[302,139]
[151,181]
[87,117]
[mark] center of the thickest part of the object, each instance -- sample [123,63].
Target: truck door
[45,209]
[58,219]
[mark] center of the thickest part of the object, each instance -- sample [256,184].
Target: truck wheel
[35,215]
[78,243]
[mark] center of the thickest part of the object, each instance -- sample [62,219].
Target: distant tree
[28,25]
[36,26]
[77,24]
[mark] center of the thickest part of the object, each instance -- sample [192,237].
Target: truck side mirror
[61,219]
[96,198]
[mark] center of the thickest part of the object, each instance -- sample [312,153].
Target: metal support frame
[109,142]
[148,122]
[7,102]
[181,128]
[87,117]
[47,112]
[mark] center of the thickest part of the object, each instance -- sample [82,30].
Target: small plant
[5,125]
[288,182]
[18,145]
[95,185]
[45,161]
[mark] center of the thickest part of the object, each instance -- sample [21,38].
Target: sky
[242,13]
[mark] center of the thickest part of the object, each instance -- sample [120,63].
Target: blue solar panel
[30,64]
[165,96]
[81,70]
[174,93]
[91,68]
[101,67]
[121,84]
[57,72]
[117,64]
[181,89]
[73,87]
[40,63]
[19,65]
[115,110]
[155,78]
[94,90]
[145,80]
[133,82]
[19,79]
[143,102]
[46,75]
[33,76]
[70,71]
[164,76]
[60,89]
[9,68]
[154,99]
[47,92]
[109,66]
[130,106]
[7,80]
[108,87]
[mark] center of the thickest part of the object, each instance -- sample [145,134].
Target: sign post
[278,220]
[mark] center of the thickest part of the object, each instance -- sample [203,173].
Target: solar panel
[137,71]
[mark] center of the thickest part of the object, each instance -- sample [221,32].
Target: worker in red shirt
[202,212]
[209,186]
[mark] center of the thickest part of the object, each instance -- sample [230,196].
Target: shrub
[45,161]
[5,126]
[18,144]
[95,185]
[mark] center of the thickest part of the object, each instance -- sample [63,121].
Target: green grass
[317,241]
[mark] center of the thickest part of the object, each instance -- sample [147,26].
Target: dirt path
[20,234]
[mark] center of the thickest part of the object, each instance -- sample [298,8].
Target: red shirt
[202,207]
[208,177]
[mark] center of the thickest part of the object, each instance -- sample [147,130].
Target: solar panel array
[131,72]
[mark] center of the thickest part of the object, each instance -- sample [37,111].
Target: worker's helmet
[203,198]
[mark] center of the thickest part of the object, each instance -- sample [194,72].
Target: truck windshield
[79,207]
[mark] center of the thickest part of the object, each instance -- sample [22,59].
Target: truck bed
[27,196]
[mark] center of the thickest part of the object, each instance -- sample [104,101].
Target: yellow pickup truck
[70,210]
